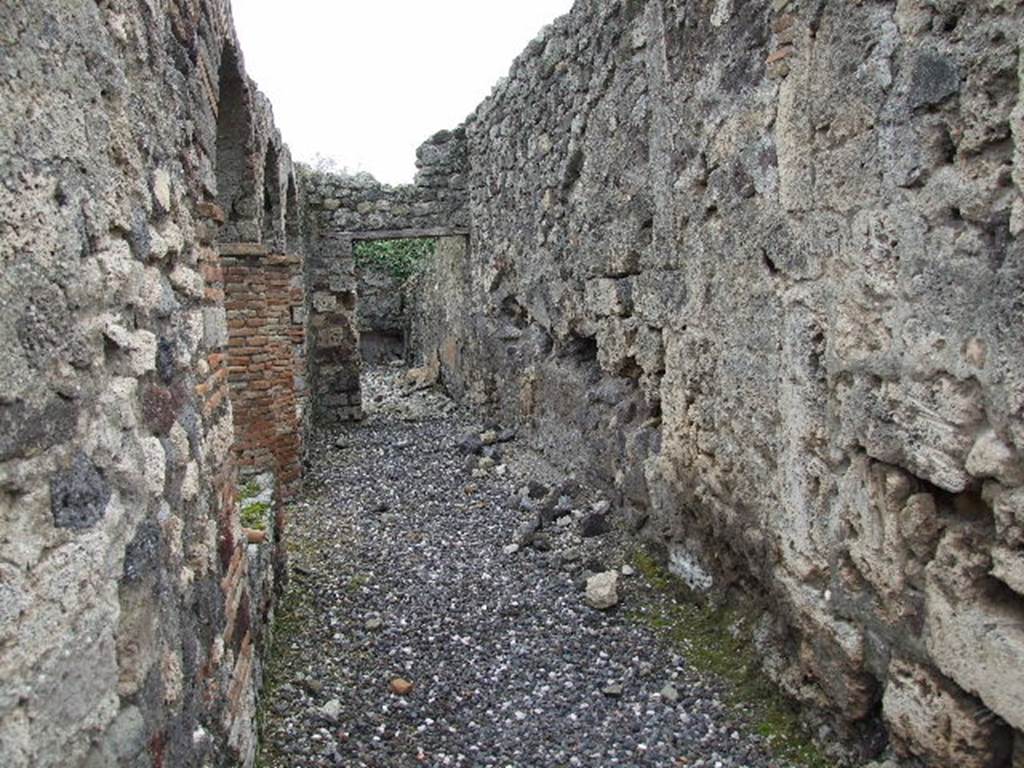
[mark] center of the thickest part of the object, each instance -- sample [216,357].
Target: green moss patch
[398,258]
[254,515]
[250,489]
[717,641]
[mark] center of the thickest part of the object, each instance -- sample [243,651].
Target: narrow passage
[403,573]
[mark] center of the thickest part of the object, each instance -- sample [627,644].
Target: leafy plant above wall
[398,258]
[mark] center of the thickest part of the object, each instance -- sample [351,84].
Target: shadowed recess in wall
[235,176]
[384,269]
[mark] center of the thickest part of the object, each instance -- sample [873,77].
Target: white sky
[365,82]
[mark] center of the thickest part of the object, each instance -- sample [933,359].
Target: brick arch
[236,179]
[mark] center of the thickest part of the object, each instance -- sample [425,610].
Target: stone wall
[383,321]
[339,209]
[757,267]
[441,318]
[131,144]
[754,266]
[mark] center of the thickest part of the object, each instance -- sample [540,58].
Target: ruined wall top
[339,203]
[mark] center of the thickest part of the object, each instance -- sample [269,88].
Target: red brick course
[265,360]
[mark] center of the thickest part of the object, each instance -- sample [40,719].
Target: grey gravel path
[399,571]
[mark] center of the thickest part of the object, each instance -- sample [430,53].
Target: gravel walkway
[401,569]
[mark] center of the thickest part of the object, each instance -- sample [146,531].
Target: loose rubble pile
[453,601]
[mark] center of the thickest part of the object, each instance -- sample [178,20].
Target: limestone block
[606,296]
[913,17]
[974,639]
[190,483]
[684,564]
[136,642]
[76,690]
[659,297]
[615,343]
[1008,567]
[248,231]
[188,281]
[157,249]
[931,719]
[649,351]
[875,496]
[794,133]
[215,327]
[138,346]
[123,741]
[840,181]
[602,590]
[118,268]
[171,676]
[323,301]
[991,456]
[926,426]
[340,337]
[154,465]
[152,293]
[118,402]
[173,238]
[424,376]
[832,652]
[1008,508]
[920,525]
[172,527]
[191,326]
[16,739]
[162,190]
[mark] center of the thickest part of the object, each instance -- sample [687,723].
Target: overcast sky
[366,82]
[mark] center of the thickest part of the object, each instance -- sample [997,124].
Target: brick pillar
[263,298]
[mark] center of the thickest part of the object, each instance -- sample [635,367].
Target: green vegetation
[398,258]
[250,489]
[254,515]
[717,640]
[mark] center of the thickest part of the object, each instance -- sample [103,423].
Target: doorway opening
[385,275]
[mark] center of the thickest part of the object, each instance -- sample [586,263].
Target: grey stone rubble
[509,665]
[602,590]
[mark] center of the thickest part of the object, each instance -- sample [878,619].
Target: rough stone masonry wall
[758,265]
[339,209]
[131,142]
[382,315]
